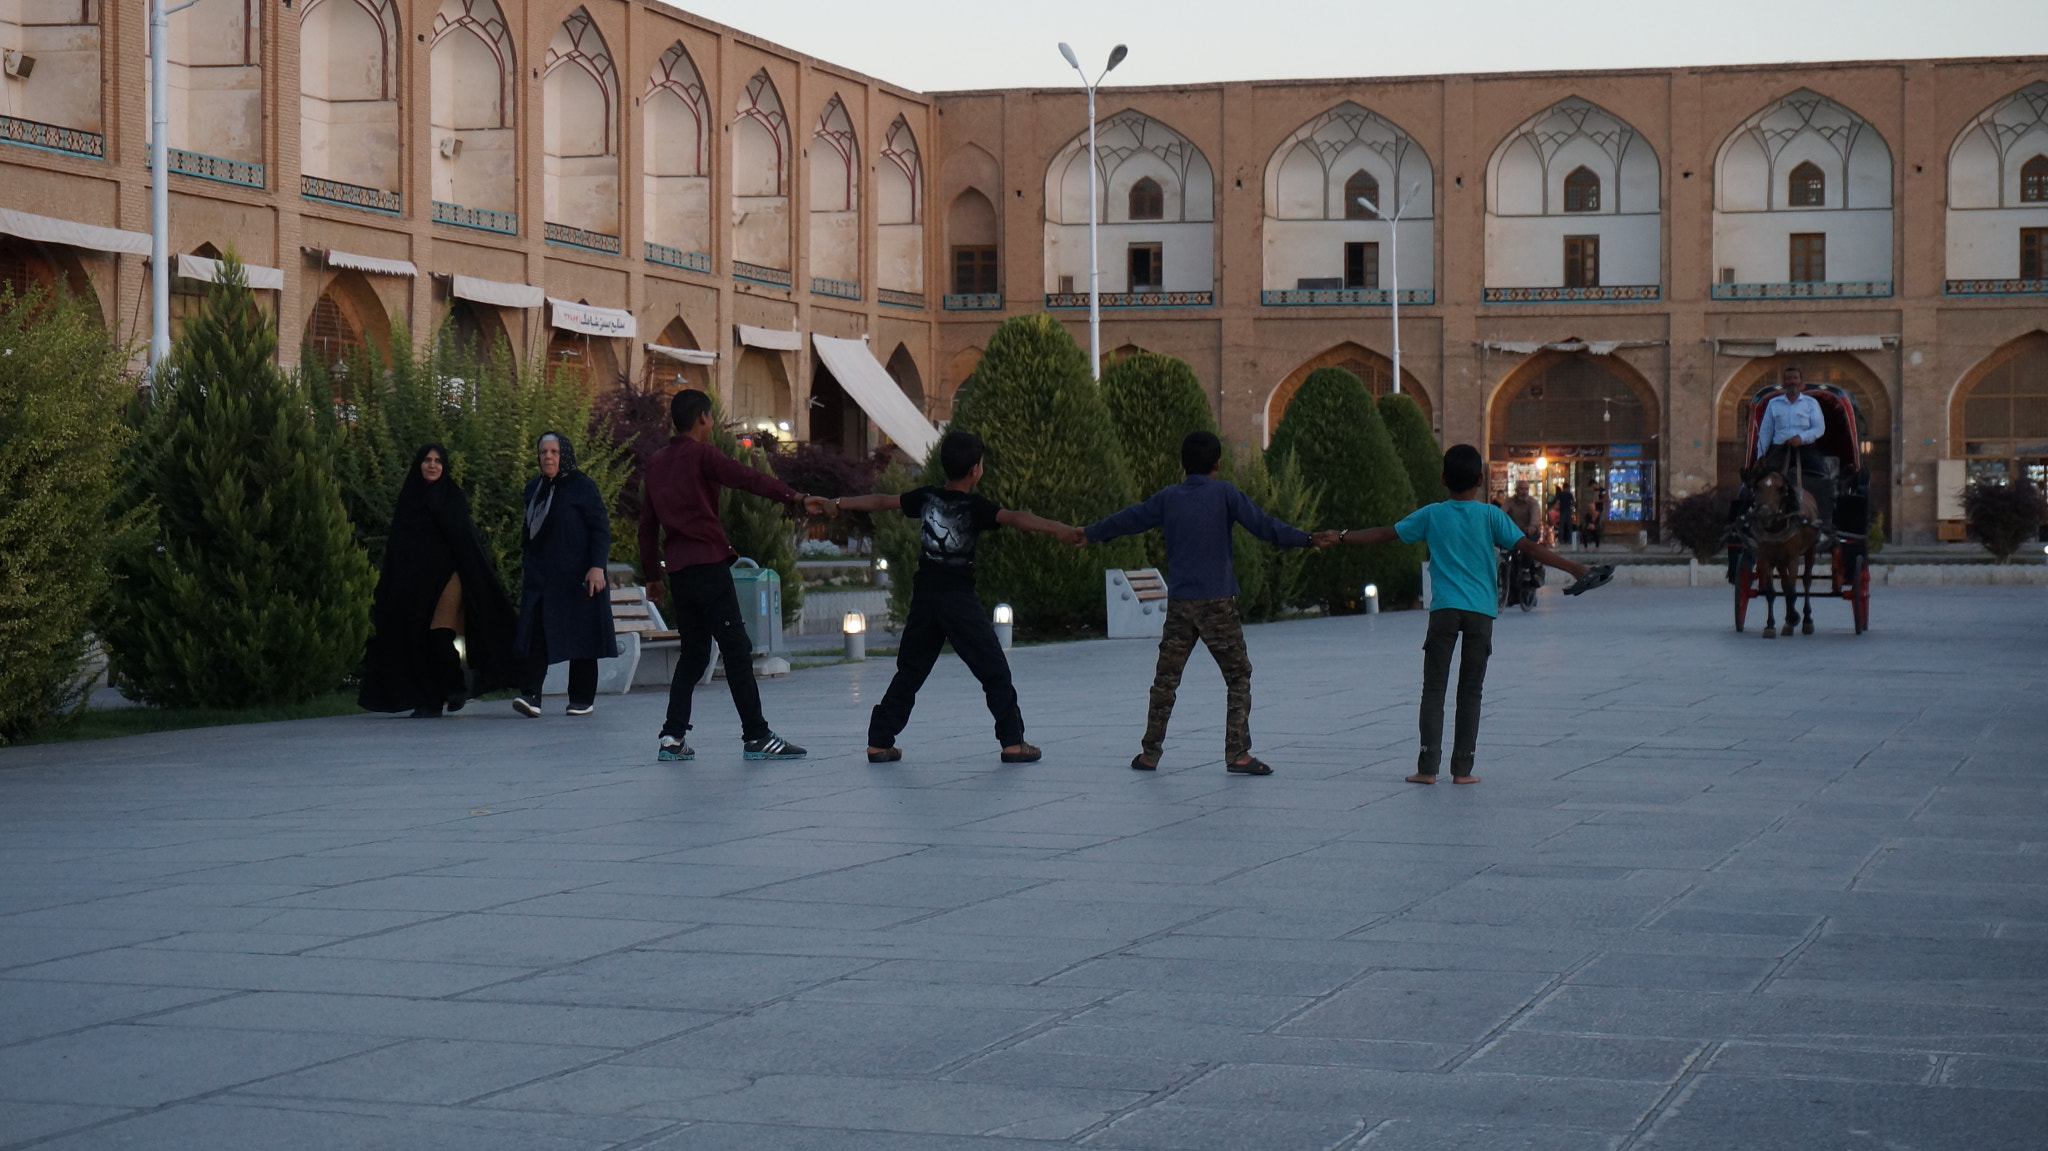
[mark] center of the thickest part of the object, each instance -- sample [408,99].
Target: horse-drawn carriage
[1773,525]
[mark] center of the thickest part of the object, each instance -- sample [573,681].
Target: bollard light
[855,626]
[881,563]
[1372,599]
[1005,619]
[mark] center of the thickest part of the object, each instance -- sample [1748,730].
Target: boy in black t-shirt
[943,605]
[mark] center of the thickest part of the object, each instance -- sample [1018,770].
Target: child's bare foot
[1419,777]
[1464,779]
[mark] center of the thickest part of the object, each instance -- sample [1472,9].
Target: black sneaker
[1600,576]
[771,746]
[582,708]
[527,706]
[674,750]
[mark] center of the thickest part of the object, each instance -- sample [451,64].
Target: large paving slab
[1715,891]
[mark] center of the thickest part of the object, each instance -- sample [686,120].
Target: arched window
[348,102]
[333,335]
[1148,202]
[1808,187]
[1582,191]
[473,74]
[1361,185]
[579,132]
[2034,181]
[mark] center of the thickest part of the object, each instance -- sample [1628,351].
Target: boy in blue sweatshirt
[1461,533]
[1201,589]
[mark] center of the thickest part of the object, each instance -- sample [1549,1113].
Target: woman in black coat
[565,608]
[437,581]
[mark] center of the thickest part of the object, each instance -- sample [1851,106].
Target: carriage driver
[1791,428]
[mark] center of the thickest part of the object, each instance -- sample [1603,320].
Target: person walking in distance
[943,605]
[1561,507]
[683,549]
[565,606]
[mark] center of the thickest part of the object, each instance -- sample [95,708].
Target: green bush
[1333,430]
[2003,516]
[1154,401]
[252,589]
[1422,457]
[1698,523]
[1052,451]
[758,528]
[1269,578]
[61,432]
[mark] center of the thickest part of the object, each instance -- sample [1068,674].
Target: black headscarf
[544,495]
[416,489]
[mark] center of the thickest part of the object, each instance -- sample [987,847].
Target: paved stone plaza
[1715,892]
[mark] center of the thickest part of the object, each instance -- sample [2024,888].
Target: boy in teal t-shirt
[1462,533]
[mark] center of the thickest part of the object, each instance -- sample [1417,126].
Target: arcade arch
[27,265]
[760,177]
[1998,417]
[348,98]
[1802,198]
[972,184]
[665,375]
[1997,195]
[1165,260]
[1841,369]
[899,211]
[902,367]
[472,69]
[676,156]
[579,132]
[835,196]
[588,361]
[1372,368]
[1319,238]
[761,394]
[1573,209]
[954,383]
[347,319]
[1577,419]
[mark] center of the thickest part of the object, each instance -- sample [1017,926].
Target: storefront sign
[590,320]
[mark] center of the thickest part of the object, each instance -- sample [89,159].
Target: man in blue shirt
[1462,533]
[1201,590]
[1790,430]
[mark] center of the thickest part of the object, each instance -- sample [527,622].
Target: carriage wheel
[1745,586]
[1859,597]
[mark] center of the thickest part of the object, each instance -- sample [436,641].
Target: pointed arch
[1320,241]
[347,318]
[902,367]
[1998,198]
[215,57]
[1168,260]
[1753,164]
[760,179]
[835,200]
[472,67]
[1376,371]
[1801,185]
[1526,174]
[348,99]
[665,374]
[1998,413]
[580,136]
[899,211]
[1131,146]
[1580,161]
[676,159]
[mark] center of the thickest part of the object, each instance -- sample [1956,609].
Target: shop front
[1579,422]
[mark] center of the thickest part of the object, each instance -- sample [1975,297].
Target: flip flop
[1600,576]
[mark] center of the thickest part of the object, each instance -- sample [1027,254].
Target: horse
[1781,539]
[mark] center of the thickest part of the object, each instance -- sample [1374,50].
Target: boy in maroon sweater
[695,562]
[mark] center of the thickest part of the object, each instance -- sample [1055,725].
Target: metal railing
[1994,287]
[52,137]
[1132,299]
[843,289]
[741,270]
[676,257]
[583,238]
[973,301]
[216,168]
[1601,294]
[1805,290]
[482,219]
[1324,297]
[900,298]
[351,195]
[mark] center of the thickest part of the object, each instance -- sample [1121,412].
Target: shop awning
[208,271]
[497,293]
[1794,345]
[376,265]
[686,355]
[773,339]
[51,230]
[591,320]
[1596,347]
[877,393]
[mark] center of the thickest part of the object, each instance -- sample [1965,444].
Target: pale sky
[939,45]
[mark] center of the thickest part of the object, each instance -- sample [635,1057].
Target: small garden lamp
[1005,619]
[1372,599]
[855,625]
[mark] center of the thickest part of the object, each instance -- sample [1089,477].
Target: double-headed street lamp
[1394,264]
[1116,56]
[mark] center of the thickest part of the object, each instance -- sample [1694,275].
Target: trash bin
[760,596]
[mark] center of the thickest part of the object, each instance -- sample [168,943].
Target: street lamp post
[1116,56]
[1394,265]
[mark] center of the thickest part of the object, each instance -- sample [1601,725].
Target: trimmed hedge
[1333,430]
[1421,455]
[1154,401]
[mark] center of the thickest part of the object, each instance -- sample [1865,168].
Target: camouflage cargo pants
[1216,623]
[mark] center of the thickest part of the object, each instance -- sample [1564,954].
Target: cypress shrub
[61,432]
[1334,432]
[1052,451]
[1269,577]
[253,590]
[1421,455]
[2003,516]
[758,528]
[1154,400]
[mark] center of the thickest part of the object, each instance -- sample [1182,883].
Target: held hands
[820,506]
[1325,539]
[1078,537]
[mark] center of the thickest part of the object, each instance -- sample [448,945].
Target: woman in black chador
[565,608]
[437,581]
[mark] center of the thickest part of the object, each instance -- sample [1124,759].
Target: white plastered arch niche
[64,37]
[760,176]
[1306,225]
[1987,204]
[348,92]
[215,76]
[899,211]
[1527,216]
[1754,214]
[579,129]
[1131,146]
[835,196]
[676,165]
[475,146]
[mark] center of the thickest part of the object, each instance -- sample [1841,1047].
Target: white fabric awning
[51,230]
[591,320]
[773,339]
[1786,344]
[375,264]
[497,293]
[871,386]
[201,268]
[1596,347]
[686,355]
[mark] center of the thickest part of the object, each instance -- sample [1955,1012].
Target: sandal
[1025,753]
[1138,763]
[1600,576]
[887,755]
[1250,766]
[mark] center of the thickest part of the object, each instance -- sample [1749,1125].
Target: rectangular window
[2034,253]
[1147,267]
[974,270]
[1809,257]
[1582,261]
[1362,266]
[1066,285]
